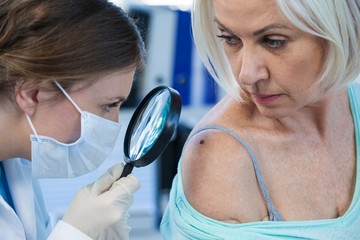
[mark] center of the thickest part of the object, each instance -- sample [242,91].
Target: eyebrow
[119,99]
[258,32]
[222,26]
[269,27]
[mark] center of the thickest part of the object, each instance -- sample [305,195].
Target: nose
[252,67]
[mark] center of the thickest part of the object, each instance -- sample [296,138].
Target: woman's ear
[26,96]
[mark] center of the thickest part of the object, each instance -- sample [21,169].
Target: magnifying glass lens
[149,125]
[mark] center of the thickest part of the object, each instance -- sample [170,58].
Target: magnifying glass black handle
[127,170]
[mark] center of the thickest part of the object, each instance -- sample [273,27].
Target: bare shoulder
[217,173]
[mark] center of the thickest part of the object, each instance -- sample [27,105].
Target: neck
[320,118]
[15,133]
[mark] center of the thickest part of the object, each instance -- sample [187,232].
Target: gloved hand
[100,210]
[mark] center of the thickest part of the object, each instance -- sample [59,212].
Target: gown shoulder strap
[274,214]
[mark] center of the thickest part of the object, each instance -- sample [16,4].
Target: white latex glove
[100,210]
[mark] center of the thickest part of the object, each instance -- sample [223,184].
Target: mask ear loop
[32,127]
[67,96]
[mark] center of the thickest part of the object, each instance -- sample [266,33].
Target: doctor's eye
[110,106]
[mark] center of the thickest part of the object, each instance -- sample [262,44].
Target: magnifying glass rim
[167,132]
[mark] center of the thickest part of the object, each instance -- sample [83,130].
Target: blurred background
[171,60]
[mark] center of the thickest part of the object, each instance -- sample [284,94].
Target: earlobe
[26,98]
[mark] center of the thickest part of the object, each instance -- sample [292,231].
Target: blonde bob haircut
[335,21]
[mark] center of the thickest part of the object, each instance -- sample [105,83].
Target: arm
[219,180]
[99,210]
[64,230]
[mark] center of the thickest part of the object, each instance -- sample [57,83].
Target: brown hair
[66,40]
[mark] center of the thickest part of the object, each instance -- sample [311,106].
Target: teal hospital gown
[182,221]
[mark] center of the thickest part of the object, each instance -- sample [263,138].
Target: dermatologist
[65,69]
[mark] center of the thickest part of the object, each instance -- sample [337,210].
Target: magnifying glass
[151,127]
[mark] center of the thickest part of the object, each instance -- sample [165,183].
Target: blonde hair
[337,22]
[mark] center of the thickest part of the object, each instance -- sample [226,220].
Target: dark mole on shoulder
[202,141]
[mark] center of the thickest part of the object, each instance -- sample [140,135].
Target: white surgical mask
[53,159]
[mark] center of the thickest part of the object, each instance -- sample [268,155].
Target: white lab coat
[30,219]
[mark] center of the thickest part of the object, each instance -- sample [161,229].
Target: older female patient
[278,157]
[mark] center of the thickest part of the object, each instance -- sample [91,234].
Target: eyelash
[274,44]
[229,40]
[233,42]
[108,107]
